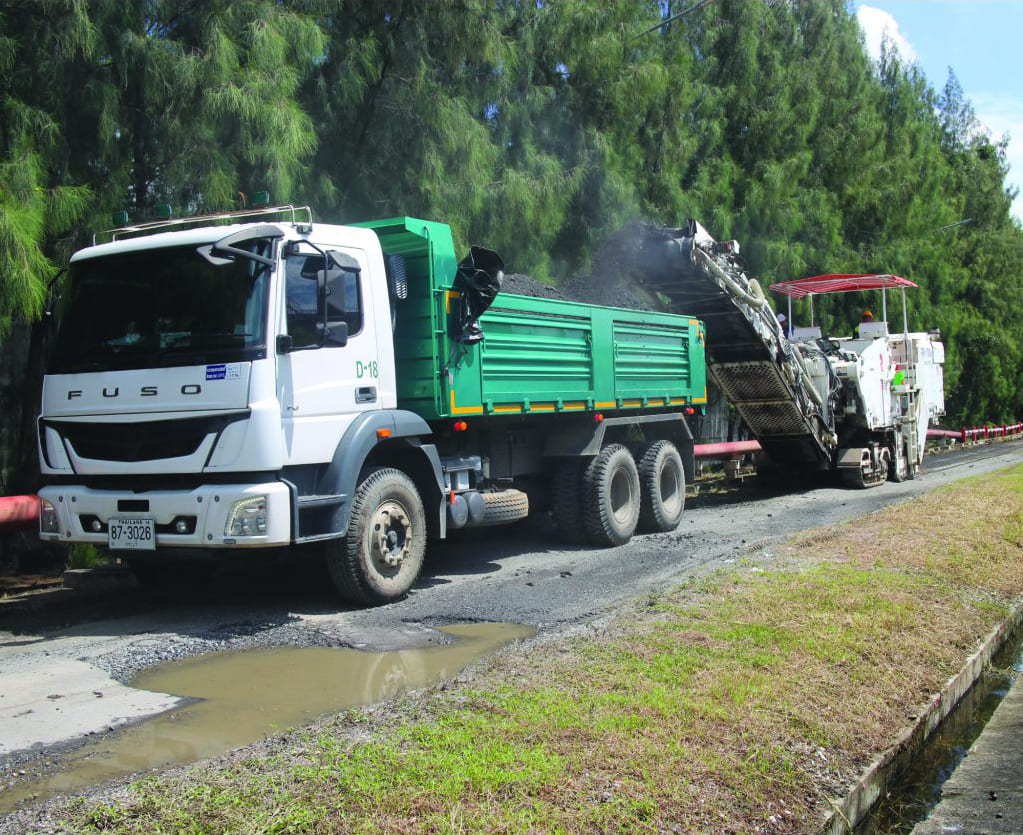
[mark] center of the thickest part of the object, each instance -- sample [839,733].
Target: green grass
[716,707]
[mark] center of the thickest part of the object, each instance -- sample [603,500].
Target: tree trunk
[25,477]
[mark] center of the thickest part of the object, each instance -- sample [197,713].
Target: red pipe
[19,513]
[732,449]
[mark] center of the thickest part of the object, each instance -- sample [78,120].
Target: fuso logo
[144,391]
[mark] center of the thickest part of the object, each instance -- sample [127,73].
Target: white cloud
[1003,114]
[1000,114]
[876,24]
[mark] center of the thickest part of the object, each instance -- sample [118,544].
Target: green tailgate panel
[537,355]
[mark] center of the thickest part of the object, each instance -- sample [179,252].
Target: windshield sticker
[228,371]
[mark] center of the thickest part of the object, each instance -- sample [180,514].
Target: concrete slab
[984,796]
[56,700]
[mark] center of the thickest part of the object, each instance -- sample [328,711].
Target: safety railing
[978,433]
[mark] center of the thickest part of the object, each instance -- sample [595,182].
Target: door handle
[366,394]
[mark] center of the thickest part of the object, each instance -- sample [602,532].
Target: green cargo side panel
[537,355]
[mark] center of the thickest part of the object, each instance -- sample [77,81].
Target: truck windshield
[162,307]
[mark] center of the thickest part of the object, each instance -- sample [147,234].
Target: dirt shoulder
[739,703]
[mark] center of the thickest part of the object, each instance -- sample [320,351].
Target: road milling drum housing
[859,405]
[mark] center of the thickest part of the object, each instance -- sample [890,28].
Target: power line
[695,7]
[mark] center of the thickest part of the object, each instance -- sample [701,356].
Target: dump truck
[255,380]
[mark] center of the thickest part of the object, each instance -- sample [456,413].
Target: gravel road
[50,675]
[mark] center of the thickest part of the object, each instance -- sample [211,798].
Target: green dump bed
[537,355]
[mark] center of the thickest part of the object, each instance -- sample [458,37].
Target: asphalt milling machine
[857,405]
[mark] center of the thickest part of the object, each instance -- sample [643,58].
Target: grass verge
[736,704]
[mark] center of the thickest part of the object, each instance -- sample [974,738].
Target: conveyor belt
[750,359]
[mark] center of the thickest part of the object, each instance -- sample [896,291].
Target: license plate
[136,534]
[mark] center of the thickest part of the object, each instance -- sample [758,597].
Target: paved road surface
[49,675]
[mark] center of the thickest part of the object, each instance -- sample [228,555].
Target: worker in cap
[868,316]
[782,322]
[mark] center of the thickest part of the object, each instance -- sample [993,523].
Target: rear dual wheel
[610,497]
[662,480]
[604,502]
[567,500]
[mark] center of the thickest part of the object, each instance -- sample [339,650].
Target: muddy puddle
[238,698]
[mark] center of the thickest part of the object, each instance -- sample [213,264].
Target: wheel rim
[621,496]
[671,489]
[390,531]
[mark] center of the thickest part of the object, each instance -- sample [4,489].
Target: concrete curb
[848,812]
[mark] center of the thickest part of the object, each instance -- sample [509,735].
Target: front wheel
[381,556]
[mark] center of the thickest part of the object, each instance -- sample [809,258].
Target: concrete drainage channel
[872,807]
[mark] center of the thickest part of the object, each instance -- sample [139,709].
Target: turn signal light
[461,426]
[598,417]
[48,520]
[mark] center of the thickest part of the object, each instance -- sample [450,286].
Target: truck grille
[148,441]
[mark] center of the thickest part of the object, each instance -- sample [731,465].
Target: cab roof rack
[139,229]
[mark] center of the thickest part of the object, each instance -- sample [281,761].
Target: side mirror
[285,344]
[336,333]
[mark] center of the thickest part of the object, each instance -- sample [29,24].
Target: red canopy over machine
[819,285]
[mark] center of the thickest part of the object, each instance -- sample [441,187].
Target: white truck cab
[192,364]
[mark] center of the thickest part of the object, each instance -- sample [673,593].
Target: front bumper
[82,514]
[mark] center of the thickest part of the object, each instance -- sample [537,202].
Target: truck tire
[381,556]
[566,500]
[610,497]
[662,485]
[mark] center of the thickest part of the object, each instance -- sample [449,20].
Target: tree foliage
[535,127]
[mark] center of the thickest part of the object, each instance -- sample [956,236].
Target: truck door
[329,375]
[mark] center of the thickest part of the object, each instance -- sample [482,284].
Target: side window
[343,298]
[300,299]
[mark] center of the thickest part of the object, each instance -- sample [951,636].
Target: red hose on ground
[19,513]
[732,449]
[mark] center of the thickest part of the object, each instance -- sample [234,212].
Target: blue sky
[980,40]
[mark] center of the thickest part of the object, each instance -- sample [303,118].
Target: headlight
[48,521]
[247,517]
